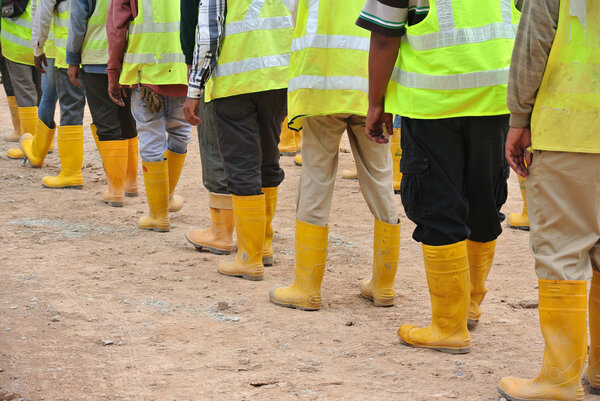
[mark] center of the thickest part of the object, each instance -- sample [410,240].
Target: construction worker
[449,86]
[18,54]
[520,221]
[248,90]
[327,94]
[554,98]
[114,126]
[144,53]
[52,15]
[14,135]
[218,238]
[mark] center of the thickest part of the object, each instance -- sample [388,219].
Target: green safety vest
[455,62]
[566,114]
[95,44]
[49,48]
[329,61]
[154,54]
[255,52]
[16,37]
[60,22]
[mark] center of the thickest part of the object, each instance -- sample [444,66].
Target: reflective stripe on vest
[243,68]
[95,44]
[61,25]
[451,82]
[16,37]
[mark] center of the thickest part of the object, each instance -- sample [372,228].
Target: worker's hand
[40,62]
[377,119]
[116,93]
[73,73]
[517,153]
[190,110]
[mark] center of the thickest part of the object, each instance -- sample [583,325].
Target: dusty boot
[70,151]
[592,373]
[175,161]
[481,258]
[14,114]
[249,217]
[35,147]
[27,118]
[520,221]
[156,180]
[270,206]
[218,238]
[563,313]
[386,248]
[131,186]
[114,159]
[447,271]
[287,140]
[311,254]
[396,157]
[350,174]
[298,159]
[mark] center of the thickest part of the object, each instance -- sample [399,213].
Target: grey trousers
[70,98]
[213,170]
[26,82]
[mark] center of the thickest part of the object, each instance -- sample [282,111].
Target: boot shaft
[175,162]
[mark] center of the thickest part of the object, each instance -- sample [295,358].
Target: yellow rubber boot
[14,114]
[270,206]
[156,180]
[520,221]
[592,373]
[131,185]
[396,150]
[287,140]
[386,249]
[218,238]
[36,147]
[70,151]
[447,271]
[249,217]
[27,118]
[114,159]
[311,254]
[481,258]
[175,162]
[563,313]
[95,136]
[298,159]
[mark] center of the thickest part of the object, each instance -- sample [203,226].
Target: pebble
[56,318]
[235,319]
[244,361]
[107,342]
[222,305]
[8,329]
[13,307]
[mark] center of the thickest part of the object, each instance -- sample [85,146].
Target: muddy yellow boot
[27,118]
[386,248]
[311,254]
[481,258]
[156,181]
[563,313]
[396,150]
[520,221]
[131,185]
[249,217]
[14,114]
[298,159]
[35,147]
[175,162]
[218,238]
[114,159]
[592,373]
[350,174]
[95,136]
[447,271]
[287,140]
[70,151]
[270,206]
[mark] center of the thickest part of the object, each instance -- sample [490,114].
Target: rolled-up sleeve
[120,14]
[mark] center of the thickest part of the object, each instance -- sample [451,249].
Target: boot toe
[175,203]
[366,289]
[15,153]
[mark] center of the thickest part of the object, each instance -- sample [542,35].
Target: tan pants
[320,144]
[563,198]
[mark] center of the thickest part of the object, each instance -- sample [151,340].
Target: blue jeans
[70,98]
[151,127]
[47,105]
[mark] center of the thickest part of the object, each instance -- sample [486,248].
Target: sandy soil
[91,308]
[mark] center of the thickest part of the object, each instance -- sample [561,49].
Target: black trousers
[6,82]
[248,129]
[454,177]
[112,122]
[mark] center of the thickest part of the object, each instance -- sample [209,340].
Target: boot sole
[267,261]
[159,230]
[131,194]
[511,398]
[397,191]
[288,153]
[65,187]
[523,228]
[210,249]
[375,302]
[244,276]
[114,203]
[443,350]
[592,389]
[292,306]
[472,324]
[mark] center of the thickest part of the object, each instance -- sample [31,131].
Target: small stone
[350,323]
[452,394]
[222,305]
[1,370]
[56,318]
[13,307]
[139,212]
[244,361]
[8,329]
[235,319]
[107,342]
[459,373]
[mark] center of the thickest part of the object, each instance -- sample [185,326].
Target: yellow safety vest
[255,53]
[49,47]
[154,54]
[455,62]
[60,22]
[95,44]
[329,61]
[16,37]
[566,115]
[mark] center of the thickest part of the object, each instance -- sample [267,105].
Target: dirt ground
[92,308]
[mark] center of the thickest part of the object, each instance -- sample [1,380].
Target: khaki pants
[563,198]
[320,144]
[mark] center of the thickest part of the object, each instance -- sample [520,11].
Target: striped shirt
[391,17]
